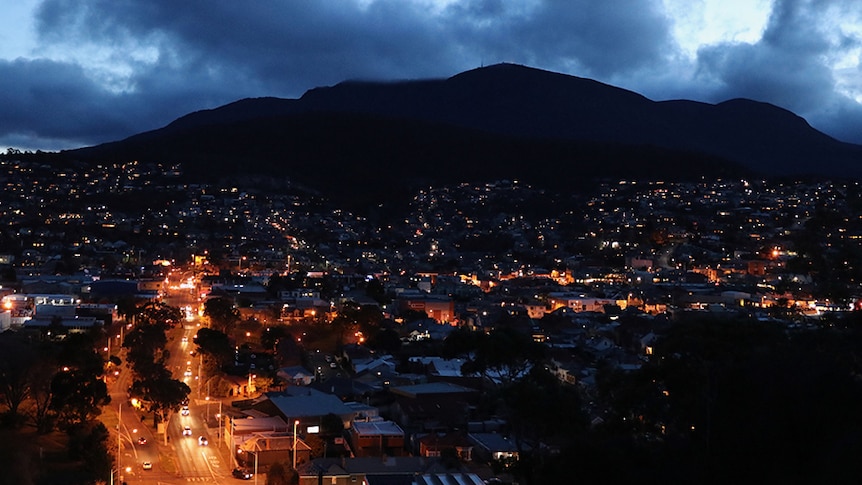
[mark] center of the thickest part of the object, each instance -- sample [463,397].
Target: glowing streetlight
[295,423]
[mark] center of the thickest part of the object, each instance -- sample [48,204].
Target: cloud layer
[106,69]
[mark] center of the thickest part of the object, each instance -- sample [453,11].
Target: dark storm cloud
[58,104]
[786,67]
[53,100]
[289,46]
[599,39]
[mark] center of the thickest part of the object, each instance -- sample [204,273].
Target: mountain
[500,121]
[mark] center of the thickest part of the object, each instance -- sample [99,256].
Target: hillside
[502,121]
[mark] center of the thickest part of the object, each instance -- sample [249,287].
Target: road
[195,462]
[177,458]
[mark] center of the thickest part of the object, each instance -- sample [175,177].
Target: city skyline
[78,75]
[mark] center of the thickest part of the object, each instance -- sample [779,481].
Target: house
[380,365]
[439,308]
[70,324]
[440,478]
[376,438]
[580,302]
[238,430]
[424,329]
[296,375]
[307,405]
[345,388]
[434,406]
[438,366]
[363,412]
[435,444]
[264,449]
[367,470]
[302,303]
[494,446]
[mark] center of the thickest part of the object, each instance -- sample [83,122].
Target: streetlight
[119,441]
[218,416]
[255,463]
[295,422]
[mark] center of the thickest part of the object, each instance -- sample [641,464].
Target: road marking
[210,464]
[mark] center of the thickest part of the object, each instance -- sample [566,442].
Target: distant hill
[501,121]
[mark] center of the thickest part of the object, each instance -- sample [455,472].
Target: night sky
[82,72]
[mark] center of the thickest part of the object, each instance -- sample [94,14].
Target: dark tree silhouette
[222,314]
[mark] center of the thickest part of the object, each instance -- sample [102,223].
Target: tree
[41,395]
[562,416]
[160,392]
[459,343]
[19,359]
[146,344]
[77,351]
[317,445]
[342,325]
[216,346]
[88,443]
[222,314]
[77,396]
[270,337]
[385,340]
[331,425]
[504,354]
[8,274]
[279,474]
[718,392]
[374,289]
[128,307]
[158,313]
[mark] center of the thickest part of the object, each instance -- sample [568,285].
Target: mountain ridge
[556,114]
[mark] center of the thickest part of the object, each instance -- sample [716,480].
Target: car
[187,431]
[203,441]
[142,441]
[147,465]
[188,372]
[242,474]
[185,340]
[184,411]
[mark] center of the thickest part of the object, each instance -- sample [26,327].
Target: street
[175,457]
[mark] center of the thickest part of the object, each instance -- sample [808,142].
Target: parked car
[242,474]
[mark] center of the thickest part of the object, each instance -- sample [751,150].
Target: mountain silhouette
[500,121]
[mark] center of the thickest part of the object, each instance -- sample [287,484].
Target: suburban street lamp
[295,423]
[255,465]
